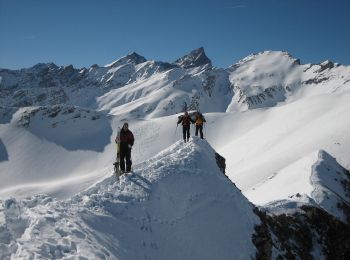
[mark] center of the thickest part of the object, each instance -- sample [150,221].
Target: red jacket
[186,120]
[125,139]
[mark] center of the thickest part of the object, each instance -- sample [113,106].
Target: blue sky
[85,32]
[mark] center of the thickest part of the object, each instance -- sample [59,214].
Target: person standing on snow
[186,124]
[199,121]
[126,141]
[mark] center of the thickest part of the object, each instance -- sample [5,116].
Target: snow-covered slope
[268,115]
[177,205]
[261,142]
[316,179]
[129,85]
[55,149]
[268,78]
[137,87]
[257,143]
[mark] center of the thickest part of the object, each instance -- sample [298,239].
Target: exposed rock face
[314,231]
[69,112]
[269,95]
[195,59]
[311,233]
[220,162]
[326,65]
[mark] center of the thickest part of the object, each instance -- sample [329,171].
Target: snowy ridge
[178,205]
[316,180]
[331,183]
[130,58]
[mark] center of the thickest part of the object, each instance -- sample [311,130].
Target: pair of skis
[117,171]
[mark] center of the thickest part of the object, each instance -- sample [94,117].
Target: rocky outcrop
[69,113]
[271,96]
[315,230]
[195,58]
[311,233]
[220,161]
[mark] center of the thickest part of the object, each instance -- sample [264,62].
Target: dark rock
[315,80]
[220,161]
[195,59]
[326,65]
[295,236]
[136,58]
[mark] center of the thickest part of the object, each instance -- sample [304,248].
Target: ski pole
[174,138]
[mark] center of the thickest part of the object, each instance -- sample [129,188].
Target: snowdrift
[177,205]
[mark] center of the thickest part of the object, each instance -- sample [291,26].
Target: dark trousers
[186,132]
[200,128]
[125,159]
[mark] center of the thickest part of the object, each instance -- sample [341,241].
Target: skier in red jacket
[186,124]
[126,141]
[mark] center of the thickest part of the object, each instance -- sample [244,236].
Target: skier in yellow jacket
[199,121]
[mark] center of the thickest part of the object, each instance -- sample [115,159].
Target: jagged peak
[41,65]
[327,64]
[136,57]
[195,58]
[133,57]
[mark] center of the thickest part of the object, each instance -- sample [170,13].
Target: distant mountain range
[259,80]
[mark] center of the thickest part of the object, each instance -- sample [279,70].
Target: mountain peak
[195,58]
[133,57]
[41,66]
[269,55]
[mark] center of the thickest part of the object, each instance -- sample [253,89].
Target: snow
[264,69]
[60,145]
[164,94]
[59,198]
[315,180]
[177,205]
[259,143]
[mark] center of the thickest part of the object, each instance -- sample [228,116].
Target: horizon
[104,65]
[82,33]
